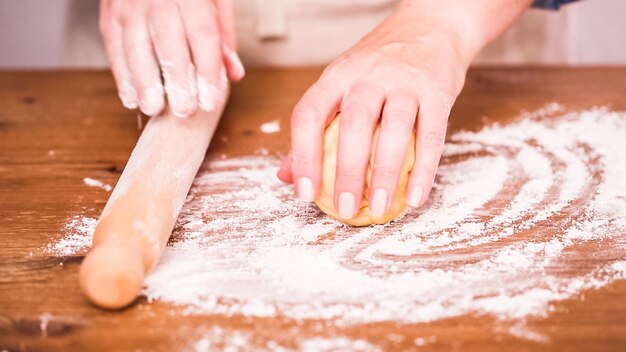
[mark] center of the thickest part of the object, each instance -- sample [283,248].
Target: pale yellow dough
[364,217]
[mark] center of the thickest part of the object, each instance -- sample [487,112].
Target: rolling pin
[136,222]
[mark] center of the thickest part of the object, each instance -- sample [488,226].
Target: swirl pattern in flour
[521,215]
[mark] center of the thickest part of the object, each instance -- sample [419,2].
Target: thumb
[284,172]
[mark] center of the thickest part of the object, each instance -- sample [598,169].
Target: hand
[407,74]
[190,43]
[406,82]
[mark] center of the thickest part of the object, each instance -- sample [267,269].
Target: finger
[206,50]
[284,172]
[114,44]
[431,132]
[310,116]
[233,64]
[170,43]
[360,111]
[142,64]
[226,17]
[397,124]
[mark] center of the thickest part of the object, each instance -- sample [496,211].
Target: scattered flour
[335,344]
[97,183]
[78,232]
[222,340]
[219,339]
[514,207]
[521,331]
[271,127]
[423,341]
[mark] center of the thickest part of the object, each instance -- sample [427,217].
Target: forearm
[469,24]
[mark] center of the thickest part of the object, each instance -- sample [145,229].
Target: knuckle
[123,20]
[398,120]
[385,173]
[330,71]
[364,90]
[136,45]
[427,171]
[359,86]
[154,7]
[330,80]
[201,29]
[350,174]
[357,120]
[166,27]
[119,11]
[205,35]
[304,115]
[432,140]
[403,97]
[303,163]
[177,71]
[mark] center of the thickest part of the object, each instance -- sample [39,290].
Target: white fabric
[304,32]
[270,32]
[314,32]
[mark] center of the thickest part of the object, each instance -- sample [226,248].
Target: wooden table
[58,127]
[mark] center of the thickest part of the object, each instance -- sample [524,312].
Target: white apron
[314,32]
[270,32]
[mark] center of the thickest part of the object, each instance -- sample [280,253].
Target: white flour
[78,232]
[218,339]
[91,182]
[522,215]
[270,127]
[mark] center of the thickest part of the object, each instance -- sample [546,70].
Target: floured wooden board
[521,246]
[515,211]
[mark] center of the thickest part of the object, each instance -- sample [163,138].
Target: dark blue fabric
[551,4]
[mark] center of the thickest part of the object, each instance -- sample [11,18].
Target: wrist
[447,24]
[467,25]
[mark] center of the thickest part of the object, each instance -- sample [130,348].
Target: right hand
[190,43]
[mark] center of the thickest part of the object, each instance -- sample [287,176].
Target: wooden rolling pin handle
[119,285]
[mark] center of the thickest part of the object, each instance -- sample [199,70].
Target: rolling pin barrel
[140,214]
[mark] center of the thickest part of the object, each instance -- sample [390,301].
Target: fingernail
[208,95]
[346,205]
[152,101]
[128,95]
[415,197]
[234,58]
[305,189]
[379,202]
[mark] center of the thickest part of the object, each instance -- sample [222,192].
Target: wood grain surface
[57,128]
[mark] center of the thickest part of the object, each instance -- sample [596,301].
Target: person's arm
[407,72]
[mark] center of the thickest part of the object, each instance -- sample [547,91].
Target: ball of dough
[364,217]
